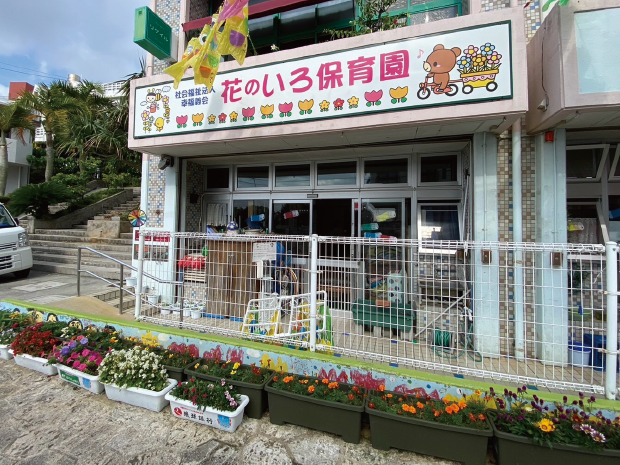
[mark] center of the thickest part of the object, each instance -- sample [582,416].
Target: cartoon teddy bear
[439,64]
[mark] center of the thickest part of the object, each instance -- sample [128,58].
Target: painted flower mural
[324,105]
[211,119]
[338,104]
[248,113]
[197,119]
[182,121]
[373,97]
[353,102]
[233,117]
[267,111]
[285,109]
[222,117]
[306,106]
[399,94]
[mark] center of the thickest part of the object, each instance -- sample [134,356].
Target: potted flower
[31,348]
[11,323]
[535,433]
[451,428]
[177,359]
[136,377]
[216,404]
[249,380]
[78,365]
[316,403]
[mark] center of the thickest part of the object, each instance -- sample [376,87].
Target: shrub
[35,199]
[136,367]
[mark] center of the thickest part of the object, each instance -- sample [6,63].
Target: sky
[43,40]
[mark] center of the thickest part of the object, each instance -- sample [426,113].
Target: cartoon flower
[211,119]
[222,117]
[399,94]
[324,105]
[471,50]
[233,116]
[353,101]
[248,113]
[338,103]
[285,108]
[197,119]
[165,99]
[267,111]
[487,48]
[306,106]
[145,115]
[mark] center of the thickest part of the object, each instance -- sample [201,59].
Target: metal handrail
[122,279]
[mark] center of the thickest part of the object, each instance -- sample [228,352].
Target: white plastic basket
[150,400]
[226,421]
[77,378]
[34,363]
[4,352]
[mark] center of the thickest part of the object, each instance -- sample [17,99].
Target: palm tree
[54,103]
[12,116]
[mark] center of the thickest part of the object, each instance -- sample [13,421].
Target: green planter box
[255,392]
[516,450]
[176,373]
[457,443]
[330,417]
[400,317]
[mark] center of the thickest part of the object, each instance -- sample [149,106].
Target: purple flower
[592,399]
[65,350]
[223,382]
[84,341]
[73,344]
[565,399]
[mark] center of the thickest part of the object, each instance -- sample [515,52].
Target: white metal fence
[537,314]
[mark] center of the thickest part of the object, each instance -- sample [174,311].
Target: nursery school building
[443,197]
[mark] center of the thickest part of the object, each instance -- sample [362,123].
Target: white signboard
[469,65]
[263,251]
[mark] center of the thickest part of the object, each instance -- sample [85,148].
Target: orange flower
[310,389]
[325,381]
[446,400]
[288,379]
[449,409]
[437,413]
[412,410]
[481,417]
[400,412]
[455,408]
[472,417]
[389,395]
[316,381]
[381,388]
[405,407]
[420,405]
[462,404]
[333,385]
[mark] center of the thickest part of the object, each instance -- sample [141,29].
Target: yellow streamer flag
[206,62]
[234,39]
[177,70]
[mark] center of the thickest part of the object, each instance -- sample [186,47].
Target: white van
[15,251]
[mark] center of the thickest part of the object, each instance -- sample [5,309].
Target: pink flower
[248,112]
[92,358]
[85,353]
[182,119]
[373,96]
[74,355]
[82,367]
[76,364]
[285,107]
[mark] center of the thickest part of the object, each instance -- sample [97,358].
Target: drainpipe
[517,234]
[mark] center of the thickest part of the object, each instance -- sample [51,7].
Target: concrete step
[69,269]
[61,232]
[129,302]
[127,236]
[102,247]
[79,226]
[72,252]
[86,260]
[36,238]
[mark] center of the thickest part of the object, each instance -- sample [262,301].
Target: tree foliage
[373,16]
[35,199]
[18,118]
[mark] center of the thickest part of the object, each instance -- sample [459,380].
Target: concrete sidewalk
[48,422]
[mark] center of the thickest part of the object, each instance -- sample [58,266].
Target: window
[5,219]
[217,178]
[585,162]
[251,214]
[439,169]
[424,11]
[293,176]
[584,223]
[615,169]
[336,174]
[439,222]
[385,171]
[252,177]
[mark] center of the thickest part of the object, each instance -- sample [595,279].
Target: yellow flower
[233,372]
[399,92]
[477,392]
[233,116]
[196,366]
[305,105]
[353,100]
[324,105]
[171,355]
[266,109]
[546,426]
[211,118]
[236,365]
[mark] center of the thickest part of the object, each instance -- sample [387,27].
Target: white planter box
[4,352]
[144,398]
[226,421]
[77,378]
[35,363]
[196,314]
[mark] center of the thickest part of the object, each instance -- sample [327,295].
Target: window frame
[600,168]
[614,164]
[270,180]
[309,187]
[219,190]
[336,186]
[362,170]
[459,213]
[599,213]
[459,170]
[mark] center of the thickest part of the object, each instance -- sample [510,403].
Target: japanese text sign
[152,33]
[469,65]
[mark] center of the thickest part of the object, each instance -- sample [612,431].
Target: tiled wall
[156,195]
[170,12]
[198,9]
[195,176]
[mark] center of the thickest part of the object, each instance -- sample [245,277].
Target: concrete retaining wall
[78,216]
